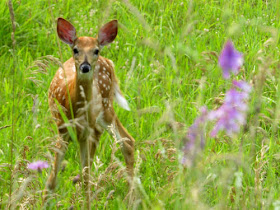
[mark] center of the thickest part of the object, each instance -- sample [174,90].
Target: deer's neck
[84,92]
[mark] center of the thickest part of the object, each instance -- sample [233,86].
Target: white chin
[86,76]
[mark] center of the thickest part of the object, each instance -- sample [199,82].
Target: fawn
[84,89]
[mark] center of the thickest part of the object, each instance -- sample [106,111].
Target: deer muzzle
[85,67]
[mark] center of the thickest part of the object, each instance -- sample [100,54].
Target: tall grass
[166,60]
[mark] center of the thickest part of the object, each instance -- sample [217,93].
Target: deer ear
[66,31]
[108,33]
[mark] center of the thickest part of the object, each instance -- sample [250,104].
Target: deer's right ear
[66,31]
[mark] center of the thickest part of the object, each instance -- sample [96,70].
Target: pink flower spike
[195,138]
[38,165]
[242,85]
[232,114]
[230,60]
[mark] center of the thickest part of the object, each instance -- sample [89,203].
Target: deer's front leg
[84,154]
[93,143]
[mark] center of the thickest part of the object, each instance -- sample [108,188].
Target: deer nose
[85,67]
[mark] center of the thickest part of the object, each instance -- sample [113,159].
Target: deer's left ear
[108,33]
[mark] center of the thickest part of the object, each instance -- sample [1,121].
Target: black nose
[85,67]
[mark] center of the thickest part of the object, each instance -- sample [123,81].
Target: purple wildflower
[195,137]
[232,114]
[76,179]
[230,60]
[244,86]
[38,165]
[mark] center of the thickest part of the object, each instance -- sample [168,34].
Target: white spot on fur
[97,67]
[74,68]
[82,91]
[100,81]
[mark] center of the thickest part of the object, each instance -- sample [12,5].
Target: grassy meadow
[166,59]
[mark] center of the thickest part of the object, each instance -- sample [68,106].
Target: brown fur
[87,101]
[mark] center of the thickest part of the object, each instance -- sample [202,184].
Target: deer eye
[96,52]
[76,51]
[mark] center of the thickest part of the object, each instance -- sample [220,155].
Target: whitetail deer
[85,88]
